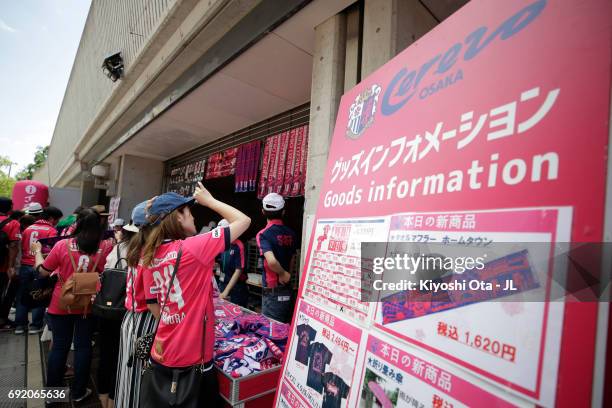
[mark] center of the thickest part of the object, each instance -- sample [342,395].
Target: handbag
[143,345]
[110,301]
[162,386]
[172,387]
[39,292]
[78,290]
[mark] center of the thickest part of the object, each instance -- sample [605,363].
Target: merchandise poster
[289,398]
[113,209]
[320,363]
[392,376]
[511,338]
[333,277]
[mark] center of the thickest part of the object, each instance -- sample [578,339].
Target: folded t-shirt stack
[249,343]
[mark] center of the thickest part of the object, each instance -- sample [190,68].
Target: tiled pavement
[13,358]
[23,360]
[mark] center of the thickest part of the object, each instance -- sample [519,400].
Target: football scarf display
[221,164]
[247,164]
[284,164]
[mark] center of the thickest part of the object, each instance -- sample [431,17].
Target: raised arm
[238,221]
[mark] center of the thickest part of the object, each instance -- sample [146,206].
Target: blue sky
[38,43]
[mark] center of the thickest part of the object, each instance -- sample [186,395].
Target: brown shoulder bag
[79,290]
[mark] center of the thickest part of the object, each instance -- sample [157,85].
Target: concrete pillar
[89,194]
[352,69]
[389,26]
[327,88]
[139,179]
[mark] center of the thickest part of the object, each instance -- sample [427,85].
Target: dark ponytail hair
[88,231]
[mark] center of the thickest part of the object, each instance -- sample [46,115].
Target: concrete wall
[139,179]
[389,26]
[327,89]
[89,194]
[66,199]
[111,26]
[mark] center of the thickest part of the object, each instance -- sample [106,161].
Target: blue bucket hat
[166,203]
[138,214]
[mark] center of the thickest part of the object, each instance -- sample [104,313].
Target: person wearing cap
[117,227]
[138,321]
[109,332]
[8,259]
[88,252]
[233,278]
[118,224]
[43,227]
[101,210]
[185,336]
[67,225]
[277,246]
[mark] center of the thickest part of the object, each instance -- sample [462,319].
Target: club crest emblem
[362,111]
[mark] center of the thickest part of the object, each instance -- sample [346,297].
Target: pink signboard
[401,379]
[502,109]
[320,361]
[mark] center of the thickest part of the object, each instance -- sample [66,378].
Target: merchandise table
[249,349]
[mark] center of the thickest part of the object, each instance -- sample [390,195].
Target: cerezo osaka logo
[362,111]
[436,75]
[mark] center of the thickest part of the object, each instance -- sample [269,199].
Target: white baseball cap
[223,223]
[273,202]
[131,228]
[34,208]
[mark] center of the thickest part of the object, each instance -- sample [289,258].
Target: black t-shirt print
[334,390]
[319,356]
[306,335]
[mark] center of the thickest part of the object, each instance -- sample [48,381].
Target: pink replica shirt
[39,230]
[59,263]
[14,234]
[135,286]
[11,228]
[181,340]
[69,230]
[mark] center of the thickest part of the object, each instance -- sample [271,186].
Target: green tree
[6,182]
[40,157]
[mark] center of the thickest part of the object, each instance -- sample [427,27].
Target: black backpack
[110,301]
[4,241]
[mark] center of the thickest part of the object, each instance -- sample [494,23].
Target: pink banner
[290,163]
[300,153]
[428,374]
[265,169]
[304,161]
[290,397]
[282,158]
[337,324]
[532,221]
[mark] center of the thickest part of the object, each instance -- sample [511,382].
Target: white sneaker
[35,330]
[19,330]
[84,396]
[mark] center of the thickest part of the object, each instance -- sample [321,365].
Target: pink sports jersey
[58,262]
[11,228]
[14,234]
[39,230]
[69,230]
[180,340]
[135,285]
